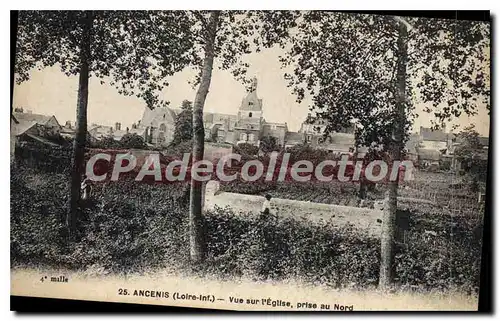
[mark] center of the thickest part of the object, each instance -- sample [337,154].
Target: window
[251,137]
[249,114]
[243,136]
[163,127]
[250,103]
[308,138]
[161,138]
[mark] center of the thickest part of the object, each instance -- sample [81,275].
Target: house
[44,126]
[32,129]
[18,129]
[411,147]
[68,130]
[340,142]
[434,139]
[294,138]
[429,158]
[219,127]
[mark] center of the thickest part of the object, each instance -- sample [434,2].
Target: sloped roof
[275,124]
[68,130]
[97,130]
[39,119]
[21,127]
[149,116]
[42,140]
[429,154]
[294,138]
[433,135]
[256,103]
[118,134]
[209,117]
[139,131]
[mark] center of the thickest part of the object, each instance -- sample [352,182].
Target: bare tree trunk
[77,163]
[196,231]
[390,209]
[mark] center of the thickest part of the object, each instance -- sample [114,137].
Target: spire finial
[254,84]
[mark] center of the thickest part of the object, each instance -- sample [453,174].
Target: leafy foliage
[132,141]
[347,63]
[134,51]
[268,144]
[106,142]
[183,124]
[471,153]
[246,150]
[469,143]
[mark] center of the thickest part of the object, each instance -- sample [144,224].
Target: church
[247,126]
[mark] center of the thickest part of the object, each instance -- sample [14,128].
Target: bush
[246,150]
[132,141]
[275,248]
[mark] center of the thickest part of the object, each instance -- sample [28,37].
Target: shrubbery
[134,227]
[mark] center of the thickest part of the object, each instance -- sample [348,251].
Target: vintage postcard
[250,160]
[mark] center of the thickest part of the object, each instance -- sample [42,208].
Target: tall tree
[375,69]
[220,39]
[269,144]
[132,141]
[471,153]
[183,124]
[196,237]
[128,49]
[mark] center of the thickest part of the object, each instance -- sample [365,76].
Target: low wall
[364,219]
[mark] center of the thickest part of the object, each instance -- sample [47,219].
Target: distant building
[247,126]
[293,138]
[39,125]
[68,130]
[434,139]
[219,127]
[341,142]
[26,126]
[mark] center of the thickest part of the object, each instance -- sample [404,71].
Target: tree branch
[201,18]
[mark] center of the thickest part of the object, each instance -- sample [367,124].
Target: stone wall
[363,219]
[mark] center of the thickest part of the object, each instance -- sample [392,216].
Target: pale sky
[50,92]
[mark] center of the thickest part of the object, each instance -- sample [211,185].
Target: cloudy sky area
[50,92]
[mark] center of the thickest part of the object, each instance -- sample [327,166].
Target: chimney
[118,126]
[127,130]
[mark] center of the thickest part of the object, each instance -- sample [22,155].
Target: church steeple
[251,101]
[253,88]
